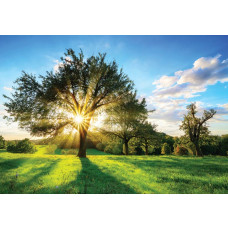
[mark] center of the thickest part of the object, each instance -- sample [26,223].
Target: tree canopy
[69,97]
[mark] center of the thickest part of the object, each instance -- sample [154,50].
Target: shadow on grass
[194,166]
[91,180]
[6,165]
[182,175]
[25,182]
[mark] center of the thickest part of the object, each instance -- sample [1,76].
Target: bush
[2,143]
[180,150]
[22,146]
[166,149]
[113,148]
[100,146]
[191,148]
[11,146]
[139,150]
[155,151]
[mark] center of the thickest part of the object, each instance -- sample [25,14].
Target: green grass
[42,173]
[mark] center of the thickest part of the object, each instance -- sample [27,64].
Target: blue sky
[161,67]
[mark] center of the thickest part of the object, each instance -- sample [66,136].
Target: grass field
[104,173]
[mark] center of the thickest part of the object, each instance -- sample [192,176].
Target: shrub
[139,150]
[191,148]
[11,146]
[113,148]
[155,150]
[22,146]
[2,143]
[100,146]
[180,150]
[166,149]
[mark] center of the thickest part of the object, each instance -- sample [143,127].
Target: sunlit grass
[43,173]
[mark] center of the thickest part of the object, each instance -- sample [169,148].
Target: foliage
[147,135]
[11,146]
[224,145]
[181,150]
[166,149]
[100,146]
[195,127]
[22,146]
[114,148]
[123,120]
[49,105]
[2,142]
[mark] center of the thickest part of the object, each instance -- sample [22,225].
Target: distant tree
[147,135]
[2,142]
[195,127]
[124,120]
[67,98]
[166,149]
[224,144]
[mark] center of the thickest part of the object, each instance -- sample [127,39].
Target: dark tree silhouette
[195,127]
[67,98]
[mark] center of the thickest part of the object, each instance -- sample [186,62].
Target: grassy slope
[42,173]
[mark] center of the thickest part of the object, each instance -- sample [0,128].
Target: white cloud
[189,83]
[165,81]
[59,64]
[7,89]
[225,106]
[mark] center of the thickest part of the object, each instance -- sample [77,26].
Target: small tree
[2,142]
[68,98]
[165,149]
[147,135]
[194,127]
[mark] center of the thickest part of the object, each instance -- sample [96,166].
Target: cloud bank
[172,93]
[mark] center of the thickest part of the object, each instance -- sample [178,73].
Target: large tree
[69,97]
[124,120]
[195,127]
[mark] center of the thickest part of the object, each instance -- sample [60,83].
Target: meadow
[102,173]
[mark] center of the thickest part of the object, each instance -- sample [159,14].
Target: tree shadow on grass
[91,180]
[184,176]
[30,181]
[11,164]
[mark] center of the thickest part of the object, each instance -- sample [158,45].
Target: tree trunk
[83,130]
[126,151]
[198,151]
[146,147]
[82,141]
